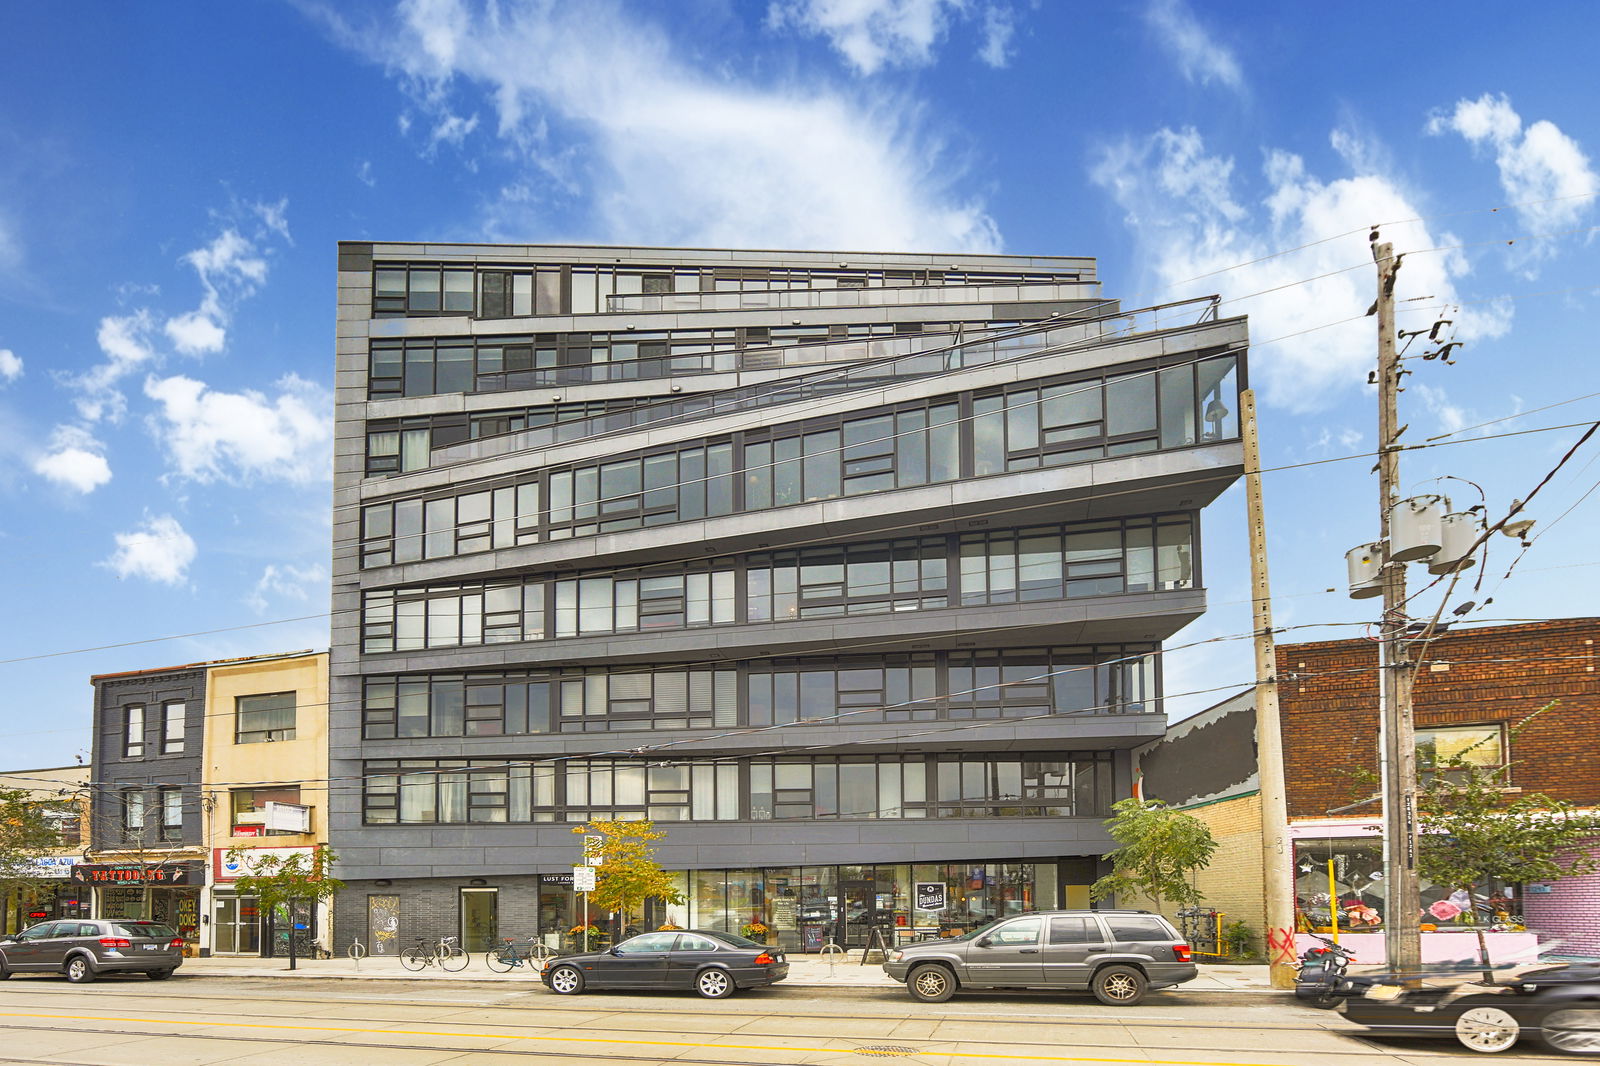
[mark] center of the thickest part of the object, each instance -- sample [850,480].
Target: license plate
[150,947]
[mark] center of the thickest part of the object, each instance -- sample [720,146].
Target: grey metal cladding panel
[1178,480]
[355,255]
[1123,618]
[712,257]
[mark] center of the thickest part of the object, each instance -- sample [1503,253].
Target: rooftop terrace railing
[1076,330]
[895,296]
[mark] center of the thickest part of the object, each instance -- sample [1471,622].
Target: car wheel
[1118,986]
[1574,1030]
[158,975]
[714,984]
[931,984]
[1487,1027]
[79,970]
[567,980]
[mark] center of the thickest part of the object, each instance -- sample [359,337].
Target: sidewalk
[804,970]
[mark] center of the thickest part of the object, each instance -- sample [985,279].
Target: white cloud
[287,582]
[75,460]
[196,333]
[870,34]
[364,174]
[227,436]
[125,340]
[1200,57]
[158,549]
[1198,238]
[999,26]
[1542,170]
[10,365]
[680,155]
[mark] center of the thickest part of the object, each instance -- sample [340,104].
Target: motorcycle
[1321,981]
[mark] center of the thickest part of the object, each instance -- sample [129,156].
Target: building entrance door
[236,926]
[480,918]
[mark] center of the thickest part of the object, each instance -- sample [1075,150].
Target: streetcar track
[580,1033]
[566,1006]
[721,1060]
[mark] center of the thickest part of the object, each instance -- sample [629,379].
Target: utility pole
[1402,899]
[1277,863]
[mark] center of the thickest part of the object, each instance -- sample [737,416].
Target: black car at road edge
[712,963]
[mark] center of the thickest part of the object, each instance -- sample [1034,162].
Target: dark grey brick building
[849,570]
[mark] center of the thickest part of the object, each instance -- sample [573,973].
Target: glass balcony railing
[813,299]
[881,359]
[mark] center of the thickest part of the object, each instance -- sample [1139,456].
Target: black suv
[1117,955]
[83,949]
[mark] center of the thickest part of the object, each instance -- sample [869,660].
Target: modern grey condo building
[850,571]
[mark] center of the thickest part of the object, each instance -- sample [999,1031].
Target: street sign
[583,878]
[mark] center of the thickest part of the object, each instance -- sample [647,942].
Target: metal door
[1071,947]
[1007,955]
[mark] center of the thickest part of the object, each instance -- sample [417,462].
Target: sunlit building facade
[849,571]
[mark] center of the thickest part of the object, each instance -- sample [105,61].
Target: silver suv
[83,949]
[1117,955]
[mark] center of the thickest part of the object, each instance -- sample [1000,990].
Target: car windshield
[154,930]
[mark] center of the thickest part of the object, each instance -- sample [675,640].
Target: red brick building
[1479,691]
[1476,690]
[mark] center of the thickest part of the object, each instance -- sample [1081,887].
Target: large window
[265,717]
[928,573]
[916,444]
[434,791]
[849,690]
[133,730]
[250,809]
[171,814]
[1448,750]
[133,814]
[172,726]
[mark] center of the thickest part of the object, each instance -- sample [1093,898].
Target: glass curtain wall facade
[865,555]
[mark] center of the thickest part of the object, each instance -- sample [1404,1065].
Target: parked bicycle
[445,952]
[514,953]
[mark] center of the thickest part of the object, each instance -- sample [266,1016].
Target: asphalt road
[198,1020]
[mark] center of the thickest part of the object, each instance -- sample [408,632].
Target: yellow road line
[619,1042]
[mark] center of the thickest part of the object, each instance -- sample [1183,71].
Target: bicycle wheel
[500,960]
[453,958]
[414,958]
[540,952]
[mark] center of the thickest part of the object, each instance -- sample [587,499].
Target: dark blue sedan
[713,964]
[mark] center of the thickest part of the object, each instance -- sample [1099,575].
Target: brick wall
[1329,696]
[1568,913]
[432,908]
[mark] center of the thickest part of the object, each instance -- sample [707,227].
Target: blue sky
[174,177]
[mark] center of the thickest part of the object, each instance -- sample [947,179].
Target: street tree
[1475,831]
[28,831]
[1162,849]
[628,873]
[282,879]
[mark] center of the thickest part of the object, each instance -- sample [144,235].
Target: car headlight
[896,955]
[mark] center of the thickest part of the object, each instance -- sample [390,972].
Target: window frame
[133,730]
[241,735]
[173,726]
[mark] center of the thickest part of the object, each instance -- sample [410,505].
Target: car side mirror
[985,942]
[615,951]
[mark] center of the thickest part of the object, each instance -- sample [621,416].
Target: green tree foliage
[284,878]
[27,832]
[628,873]
[1161,850]
[1473,831]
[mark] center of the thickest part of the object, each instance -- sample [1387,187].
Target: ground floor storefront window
[32,905]
[1357,889]
[177,907]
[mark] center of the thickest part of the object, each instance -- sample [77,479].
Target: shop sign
[248,862]
[931,896]
[175,873]
[247,830]
[53,867]
[555,879]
